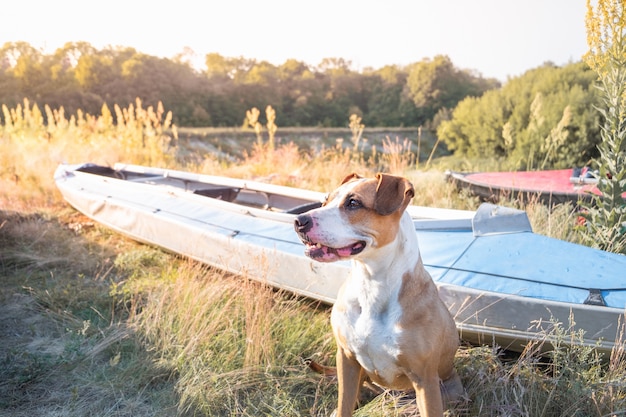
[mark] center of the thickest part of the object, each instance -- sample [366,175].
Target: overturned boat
[549,187]
[503,284]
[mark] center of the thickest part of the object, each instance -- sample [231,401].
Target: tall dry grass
[33,143]
[233,342]
[605,215]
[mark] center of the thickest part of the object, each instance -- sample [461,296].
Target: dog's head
[361,214]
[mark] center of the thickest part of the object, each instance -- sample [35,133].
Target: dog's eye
[353,203]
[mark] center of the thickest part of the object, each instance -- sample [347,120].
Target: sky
[496,38]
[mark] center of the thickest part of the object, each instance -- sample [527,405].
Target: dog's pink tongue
[344,252]
[326,254]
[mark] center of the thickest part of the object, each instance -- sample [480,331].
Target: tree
[9,84]
[475,129]
[387,102]
[218,66]
[435,84]
[293,69]
[334,66]
[25,64]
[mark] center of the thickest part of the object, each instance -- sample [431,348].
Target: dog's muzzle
[316,250]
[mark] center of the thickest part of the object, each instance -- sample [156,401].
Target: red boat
[548,187]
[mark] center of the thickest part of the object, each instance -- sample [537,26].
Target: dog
[388,321]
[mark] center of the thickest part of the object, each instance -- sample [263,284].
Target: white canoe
[503,284]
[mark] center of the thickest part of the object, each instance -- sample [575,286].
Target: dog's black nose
[303,223]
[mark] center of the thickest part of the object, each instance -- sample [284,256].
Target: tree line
[541,119]
[79,76]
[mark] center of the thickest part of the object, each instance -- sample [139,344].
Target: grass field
[92,323]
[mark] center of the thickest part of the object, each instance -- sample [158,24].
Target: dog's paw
[452,390]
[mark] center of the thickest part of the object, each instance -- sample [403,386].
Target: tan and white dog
[389,323]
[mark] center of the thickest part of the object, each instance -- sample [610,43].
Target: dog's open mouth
[323,253]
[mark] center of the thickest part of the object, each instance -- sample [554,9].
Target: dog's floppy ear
[353,176]
[392,194]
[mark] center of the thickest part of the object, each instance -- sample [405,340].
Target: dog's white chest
[372,335]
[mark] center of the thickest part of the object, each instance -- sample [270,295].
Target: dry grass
[94,324]
[233,342]
[30,150]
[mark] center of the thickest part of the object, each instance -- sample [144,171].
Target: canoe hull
[261,245]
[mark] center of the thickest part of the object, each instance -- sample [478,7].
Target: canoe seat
[253,198]
[102,170]
[220,193]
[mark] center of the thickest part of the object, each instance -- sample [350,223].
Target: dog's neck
[380,274]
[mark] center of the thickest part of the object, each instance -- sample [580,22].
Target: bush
[543,119]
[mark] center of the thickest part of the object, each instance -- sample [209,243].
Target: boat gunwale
[416,212]
[225,181]
[424,218]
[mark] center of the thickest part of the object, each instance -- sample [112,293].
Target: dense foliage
[545,118]
[78,76]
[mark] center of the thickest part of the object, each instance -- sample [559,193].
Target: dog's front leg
[428,396]
[350,377]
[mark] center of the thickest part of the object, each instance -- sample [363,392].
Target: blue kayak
[503,284]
